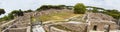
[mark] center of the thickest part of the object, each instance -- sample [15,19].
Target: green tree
[43,7]
[113,13]
[46,7]
[28,11]
[79,8]
[10,16]
[95,9]
[17,12]
[2,11]
[5,18]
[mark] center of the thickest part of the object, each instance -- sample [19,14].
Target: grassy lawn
[57,16]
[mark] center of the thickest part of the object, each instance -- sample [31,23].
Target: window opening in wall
[95,27]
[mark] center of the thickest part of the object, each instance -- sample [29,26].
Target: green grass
[56,16]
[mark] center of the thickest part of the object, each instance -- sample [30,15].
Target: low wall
[17,30]
[103,31]
[22,29]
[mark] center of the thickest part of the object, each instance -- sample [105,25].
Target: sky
[10,5]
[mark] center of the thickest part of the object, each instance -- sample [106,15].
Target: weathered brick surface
[17,30]
[101,25]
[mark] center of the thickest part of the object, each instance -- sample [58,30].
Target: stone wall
[100,25]
[24,21]
[67,27]
[21,29]
[100,22]
[17,30]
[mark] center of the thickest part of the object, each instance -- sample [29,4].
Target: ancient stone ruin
[94,22]
[90,22]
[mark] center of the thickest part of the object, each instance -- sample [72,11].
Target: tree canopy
[28,11]
[12,15]
[79,8]
[113,13]
[17,12]
[2,11]
[45,7]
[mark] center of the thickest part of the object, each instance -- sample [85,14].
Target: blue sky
[10,5]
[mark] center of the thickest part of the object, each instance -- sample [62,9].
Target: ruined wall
[99,21]
[17,30]
[67,27]
[101,25]
[36,14]
[24,21]
[98,16]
